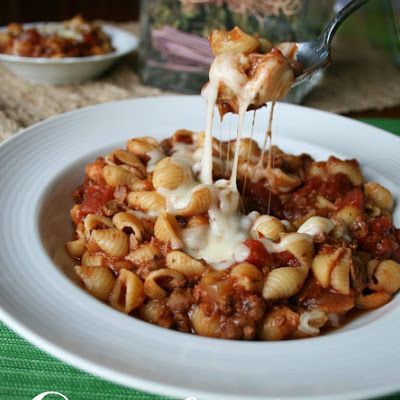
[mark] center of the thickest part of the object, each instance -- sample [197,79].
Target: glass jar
[174,51]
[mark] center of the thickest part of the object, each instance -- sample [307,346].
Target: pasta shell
[98,281]
[348,214]
[336,166]
[322,266]
[282,182]
[199,203]
[124,220]
[268,227]
[112,241]
[302,248]
[129,159]
[168,174]
[157,312]
[233,41]
[168,230]
[312,321]
[142,146]
[186,265]
[128,292]
[76,248]
[340,276]
[93,221]
[248,276]
[323,202]
[147,201]
[205,325]
[170,278]
[284,282]
[75,213]
[373,300]
[380,195]
[278,324]
[371,268]
[318,170]
[115,175]
[387,275]
[144,252]
[92,260]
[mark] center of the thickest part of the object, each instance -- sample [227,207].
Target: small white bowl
[59,71]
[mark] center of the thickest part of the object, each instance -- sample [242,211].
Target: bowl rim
[111,30]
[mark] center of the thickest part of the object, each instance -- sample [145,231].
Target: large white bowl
[42,165]
[58,71]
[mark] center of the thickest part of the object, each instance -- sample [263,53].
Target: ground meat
[257,197]
[314,296]
[179,302]
[240,311]
[149,266]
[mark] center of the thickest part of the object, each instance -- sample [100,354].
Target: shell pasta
[299,245]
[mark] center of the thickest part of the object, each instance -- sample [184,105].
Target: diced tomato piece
[354,197]
[258,254]
[382,241]
[94,198]
[381,224]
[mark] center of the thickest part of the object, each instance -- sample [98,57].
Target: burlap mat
[360,78]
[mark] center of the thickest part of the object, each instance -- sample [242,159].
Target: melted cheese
[179,198]
[154,157]
[221,239]
[217,242]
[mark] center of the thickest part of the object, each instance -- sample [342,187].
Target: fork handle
[337,20]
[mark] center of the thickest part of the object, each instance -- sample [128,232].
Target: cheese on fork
[241,81]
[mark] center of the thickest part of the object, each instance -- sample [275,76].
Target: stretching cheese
[220,243]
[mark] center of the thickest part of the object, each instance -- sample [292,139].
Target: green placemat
[25,371]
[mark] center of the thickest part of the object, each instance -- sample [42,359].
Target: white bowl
[59,71]
[41,167]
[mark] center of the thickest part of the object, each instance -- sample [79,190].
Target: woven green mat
[25,371]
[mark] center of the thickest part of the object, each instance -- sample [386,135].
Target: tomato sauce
[336,186]
[258,255]
[382,239]
[285,259]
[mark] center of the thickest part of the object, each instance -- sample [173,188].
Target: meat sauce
[240,312]
[376,236]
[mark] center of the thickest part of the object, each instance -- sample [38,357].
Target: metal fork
[316,54]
